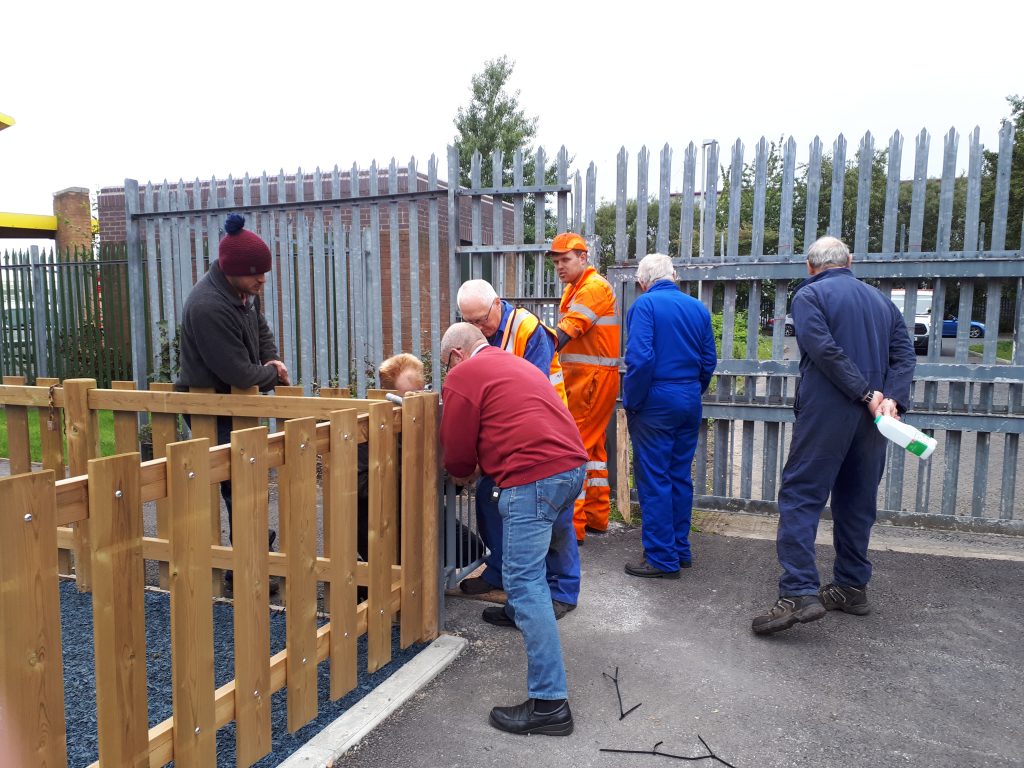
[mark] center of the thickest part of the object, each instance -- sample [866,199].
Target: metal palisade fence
[357,264]
[748,253]
[64,315]
[367,262]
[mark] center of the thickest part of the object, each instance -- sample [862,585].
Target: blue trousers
[563,558]
[835,450]
[529,513]
[664,436]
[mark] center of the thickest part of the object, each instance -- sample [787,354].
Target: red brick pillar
[72,208]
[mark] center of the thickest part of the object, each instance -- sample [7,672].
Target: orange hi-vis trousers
[592,391]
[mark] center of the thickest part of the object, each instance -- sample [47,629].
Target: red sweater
[502,413]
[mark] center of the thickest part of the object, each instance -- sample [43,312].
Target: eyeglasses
[448,365]
[480,320]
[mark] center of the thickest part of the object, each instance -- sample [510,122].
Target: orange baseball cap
[568,241]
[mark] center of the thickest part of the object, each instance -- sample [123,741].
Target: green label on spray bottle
[916,447]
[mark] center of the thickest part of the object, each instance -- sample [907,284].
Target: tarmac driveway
[933,677]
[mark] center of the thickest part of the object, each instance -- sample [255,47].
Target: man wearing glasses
[502,417]
[518,331]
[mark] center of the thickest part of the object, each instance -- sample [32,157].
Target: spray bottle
[906,436]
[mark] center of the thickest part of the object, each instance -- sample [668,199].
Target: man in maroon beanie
[225,340]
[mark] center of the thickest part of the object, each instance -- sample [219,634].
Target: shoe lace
[782,605]
[833,593]
[837,594]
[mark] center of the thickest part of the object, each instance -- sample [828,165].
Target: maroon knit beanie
[242,252]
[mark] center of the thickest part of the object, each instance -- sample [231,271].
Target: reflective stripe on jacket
[518,330]
[587,316]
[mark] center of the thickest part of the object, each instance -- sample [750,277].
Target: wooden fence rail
[104,503]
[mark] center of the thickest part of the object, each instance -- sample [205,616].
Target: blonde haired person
[402,372]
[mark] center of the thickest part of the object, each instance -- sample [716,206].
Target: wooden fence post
[623,499]
[412,520]
[325,462]
[299,485]
[119,616]
[83,445]
[51,445]
[431,582]
[126,423]
[32,725]
[163,430]
[192,693]
[341,508]
[205,425]
[18,448]
[381,552]
[249,468]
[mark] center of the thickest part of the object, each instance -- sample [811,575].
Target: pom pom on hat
[242,252]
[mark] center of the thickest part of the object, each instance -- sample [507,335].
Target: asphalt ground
[933,677]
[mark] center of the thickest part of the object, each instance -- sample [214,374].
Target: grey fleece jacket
[224,340]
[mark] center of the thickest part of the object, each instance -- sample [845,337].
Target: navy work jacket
[852,339]
[669,341]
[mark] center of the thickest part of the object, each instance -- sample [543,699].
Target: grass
[1004,349]
[106,425]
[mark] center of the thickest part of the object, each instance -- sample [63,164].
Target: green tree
[494,120]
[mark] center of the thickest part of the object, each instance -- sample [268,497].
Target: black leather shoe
[496,615]
[477,586]
[561,608]
[523,719]
[645,570]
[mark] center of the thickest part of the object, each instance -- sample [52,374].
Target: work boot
[787,612]
[836,597]
[551,718]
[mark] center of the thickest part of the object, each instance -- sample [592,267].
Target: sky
[101,91]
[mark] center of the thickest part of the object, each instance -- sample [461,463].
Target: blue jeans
[529,513]
[563,558]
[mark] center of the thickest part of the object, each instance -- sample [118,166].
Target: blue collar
[662,285]
[506,311]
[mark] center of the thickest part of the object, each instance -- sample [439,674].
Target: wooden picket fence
[97,512]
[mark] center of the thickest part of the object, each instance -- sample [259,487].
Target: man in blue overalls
[856,361]
[518,331]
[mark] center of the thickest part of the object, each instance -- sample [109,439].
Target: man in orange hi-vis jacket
[588,346]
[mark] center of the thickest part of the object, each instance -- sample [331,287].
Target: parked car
[788,330]
[950,327]
[922,317]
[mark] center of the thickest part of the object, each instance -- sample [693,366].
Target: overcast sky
[152,90]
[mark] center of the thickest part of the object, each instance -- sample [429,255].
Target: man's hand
[887,407]
[875,402]
[470,478]
[282,371]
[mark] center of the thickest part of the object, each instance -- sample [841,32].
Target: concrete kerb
[349,729]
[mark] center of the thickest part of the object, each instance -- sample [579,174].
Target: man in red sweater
[502,417]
